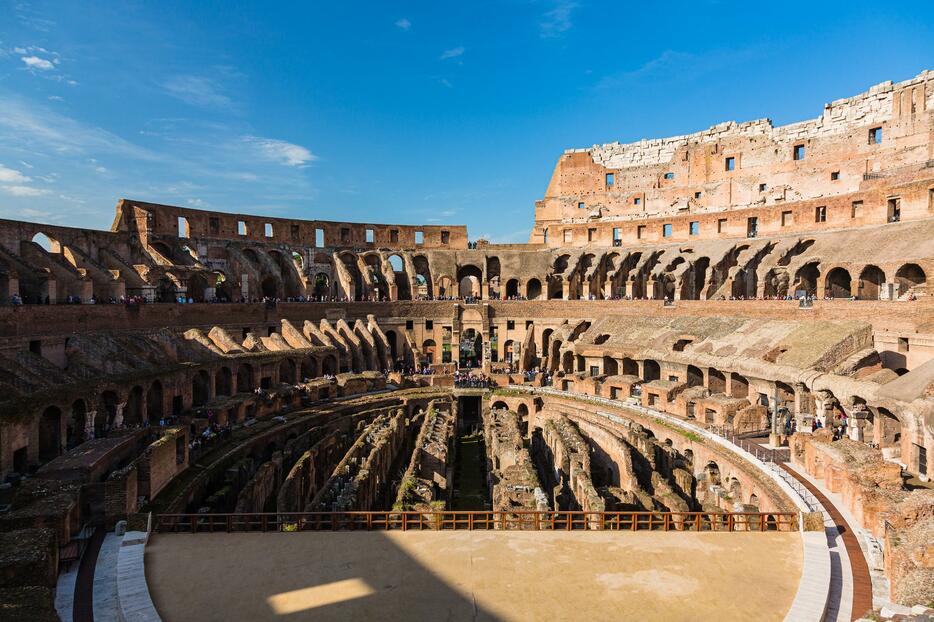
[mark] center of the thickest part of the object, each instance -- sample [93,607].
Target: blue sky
[407,112]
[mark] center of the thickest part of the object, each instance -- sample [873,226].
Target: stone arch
[630,367]
[739,385]
[244,378]
[197,284]
[133,413]
[393,345]
[610,366]
[806,278]
[329,365]
[154,403]
[651,370]
[107,414]
[695,376]
[567,362]
[499,405]
[512,288]
[716,380]
[270,286]
[446,287]
[469,278]
[870,282]
[555,287]
[837,284]
[166,289]
[291,286]
[309,368]
[423,281]
[287,371]
[223,381]
[322,286]
[533,289]
[77,423]
[429,349]
[200,388]
[50,433]
[908,276]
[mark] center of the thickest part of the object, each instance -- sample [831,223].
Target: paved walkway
[861,582]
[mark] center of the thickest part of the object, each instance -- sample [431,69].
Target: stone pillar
[629,285]
[118,418]
[89,418]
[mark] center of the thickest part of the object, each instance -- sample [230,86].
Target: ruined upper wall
[153,220]
[883,133]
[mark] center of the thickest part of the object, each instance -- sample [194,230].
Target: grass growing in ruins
[470,474]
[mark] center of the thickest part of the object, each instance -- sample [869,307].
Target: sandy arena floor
[473,576]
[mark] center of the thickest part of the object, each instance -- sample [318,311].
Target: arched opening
[567,362]
[493,276]
[423,281]
[245,378]
[50,433]
[716,381]
[428,351]
[322,286]
[223,381]
[695,376]
[77,424]
[739,385]
[806,279]
[651,370]
[446,287]
[785,396]
[403,289]
[197,285]
[610,366]
[499,405]
[889,429]
[200,388]
[270,286]
[393,345]
[471,348]
[309,369]
[870,283]
[512,288]
[108,410]
[287,371]
[291,279]
[837,284]
[533,289]
[133,413]
[630,367]
[909,276]
[154,407]
[166,290]
[546,340]
[555,288]
[468,279]
[46,243]
[329,365]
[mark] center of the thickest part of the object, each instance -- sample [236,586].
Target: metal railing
[519,520]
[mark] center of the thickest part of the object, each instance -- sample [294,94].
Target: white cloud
[197,91]
[446,83]
[56,98]
[24,191]
[281,151]
[452,53]
[34,62]
[196,203]
[404,23]
[557,21]
[11,176]
[40,128]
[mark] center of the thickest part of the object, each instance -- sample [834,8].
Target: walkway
[861,582]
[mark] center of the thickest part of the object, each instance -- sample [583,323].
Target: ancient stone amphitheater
[704,388]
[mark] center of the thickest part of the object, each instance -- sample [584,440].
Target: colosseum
[709,372]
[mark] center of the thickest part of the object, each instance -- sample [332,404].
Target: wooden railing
[453,520]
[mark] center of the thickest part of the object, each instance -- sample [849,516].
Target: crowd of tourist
[467,380]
